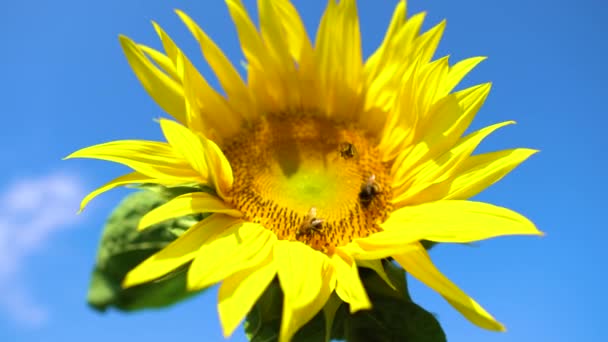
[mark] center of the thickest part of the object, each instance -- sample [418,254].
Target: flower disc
[284,166]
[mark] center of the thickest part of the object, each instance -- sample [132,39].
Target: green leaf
[393,320]
[312,331]
[422,326]
[122,247]
[264,320]
[393,317]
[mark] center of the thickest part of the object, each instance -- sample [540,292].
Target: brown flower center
[309,179]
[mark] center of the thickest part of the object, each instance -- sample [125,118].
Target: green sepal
[330,311]
[169,192]
[428,244]
[122,247]
[377,287]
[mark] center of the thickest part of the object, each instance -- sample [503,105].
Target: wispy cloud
[32,210]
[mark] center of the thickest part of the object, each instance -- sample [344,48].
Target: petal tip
[360,307]
[128,281]
[180,13]
[124,39]
[142,225]
[156,26]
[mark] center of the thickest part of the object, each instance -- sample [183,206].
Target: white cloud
[32,210]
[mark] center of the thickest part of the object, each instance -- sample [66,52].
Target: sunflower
[319,163]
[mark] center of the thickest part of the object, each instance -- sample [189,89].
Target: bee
[347,150]
[368,191]
[311,223]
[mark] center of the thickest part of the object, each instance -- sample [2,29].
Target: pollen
[310,179]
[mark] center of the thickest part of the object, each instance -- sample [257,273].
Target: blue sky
[66,85]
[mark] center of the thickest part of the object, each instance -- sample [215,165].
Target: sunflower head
[318,162]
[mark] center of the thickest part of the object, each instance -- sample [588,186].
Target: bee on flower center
[368,190]
[311,223]
[347,150]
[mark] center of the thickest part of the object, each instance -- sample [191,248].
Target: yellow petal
[350,52]
[263,76]
[239,292]
[251,43]
[187,144]
[272,31]
[470,100]
[220,170]
[296,37]
[162,60]
[405,71]
[443,125]
[169,45]
[230,80]
[348,285]
[323,41]
[481,171]
[301,89]
[459,70]
[448,120]
[454,221]
[203,154]
[395,74]
[131,178]
[196,109]
[187,204]
[240,247]
[429,89]
[178,252]
[377,59]
[477,173]
[373,248]
[220,121]
[402,121]
[462,150]
[208,111]
[185,73]
[408,182]
[419,265]
[430,40]
[339,61]
[399,53]
[161,87]
[307,280]
[151,158]
[457,222]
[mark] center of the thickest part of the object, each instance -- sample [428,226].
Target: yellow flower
[320,162]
